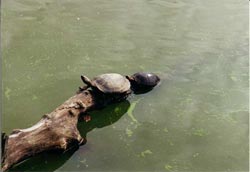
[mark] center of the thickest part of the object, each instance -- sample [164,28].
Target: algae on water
[168,167]
[146,152]
[129,132]
[7,93]
[131,109]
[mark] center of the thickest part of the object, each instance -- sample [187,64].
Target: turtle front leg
[82,88]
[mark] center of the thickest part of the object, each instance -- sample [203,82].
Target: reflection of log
[55,131]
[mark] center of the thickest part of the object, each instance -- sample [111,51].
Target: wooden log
[55,131]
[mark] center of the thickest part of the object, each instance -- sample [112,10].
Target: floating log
[55,131]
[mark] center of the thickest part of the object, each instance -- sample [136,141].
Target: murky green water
[196,120]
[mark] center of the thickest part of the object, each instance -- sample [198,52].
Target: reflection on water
[195,120]
[105,117]
[49,161]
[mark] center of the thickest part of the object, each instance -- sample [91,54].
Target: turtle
[143,81]
[109,83]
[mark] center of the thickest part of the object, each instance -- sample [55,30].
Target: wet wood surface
[55,131]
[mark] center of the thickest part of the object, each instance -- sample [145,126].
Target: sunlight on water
[195,120]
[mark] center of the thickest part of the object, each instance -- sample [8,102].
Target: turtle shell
[144,79]
[111,83]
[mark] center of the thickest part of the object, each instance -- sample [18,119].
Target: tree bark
[55,131]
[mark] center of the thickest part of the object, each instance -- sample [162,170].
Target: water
[196,120]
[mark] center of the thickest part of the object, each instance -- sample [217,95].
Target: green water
[196,120]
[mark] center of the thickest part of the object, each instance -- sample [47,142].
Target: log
[56,130]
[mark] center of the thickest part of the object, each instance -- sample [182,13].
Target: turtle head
[143,82]
[86,81]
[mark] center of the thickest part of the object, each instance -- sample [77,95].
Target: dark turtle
[110,83]
[143,81]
